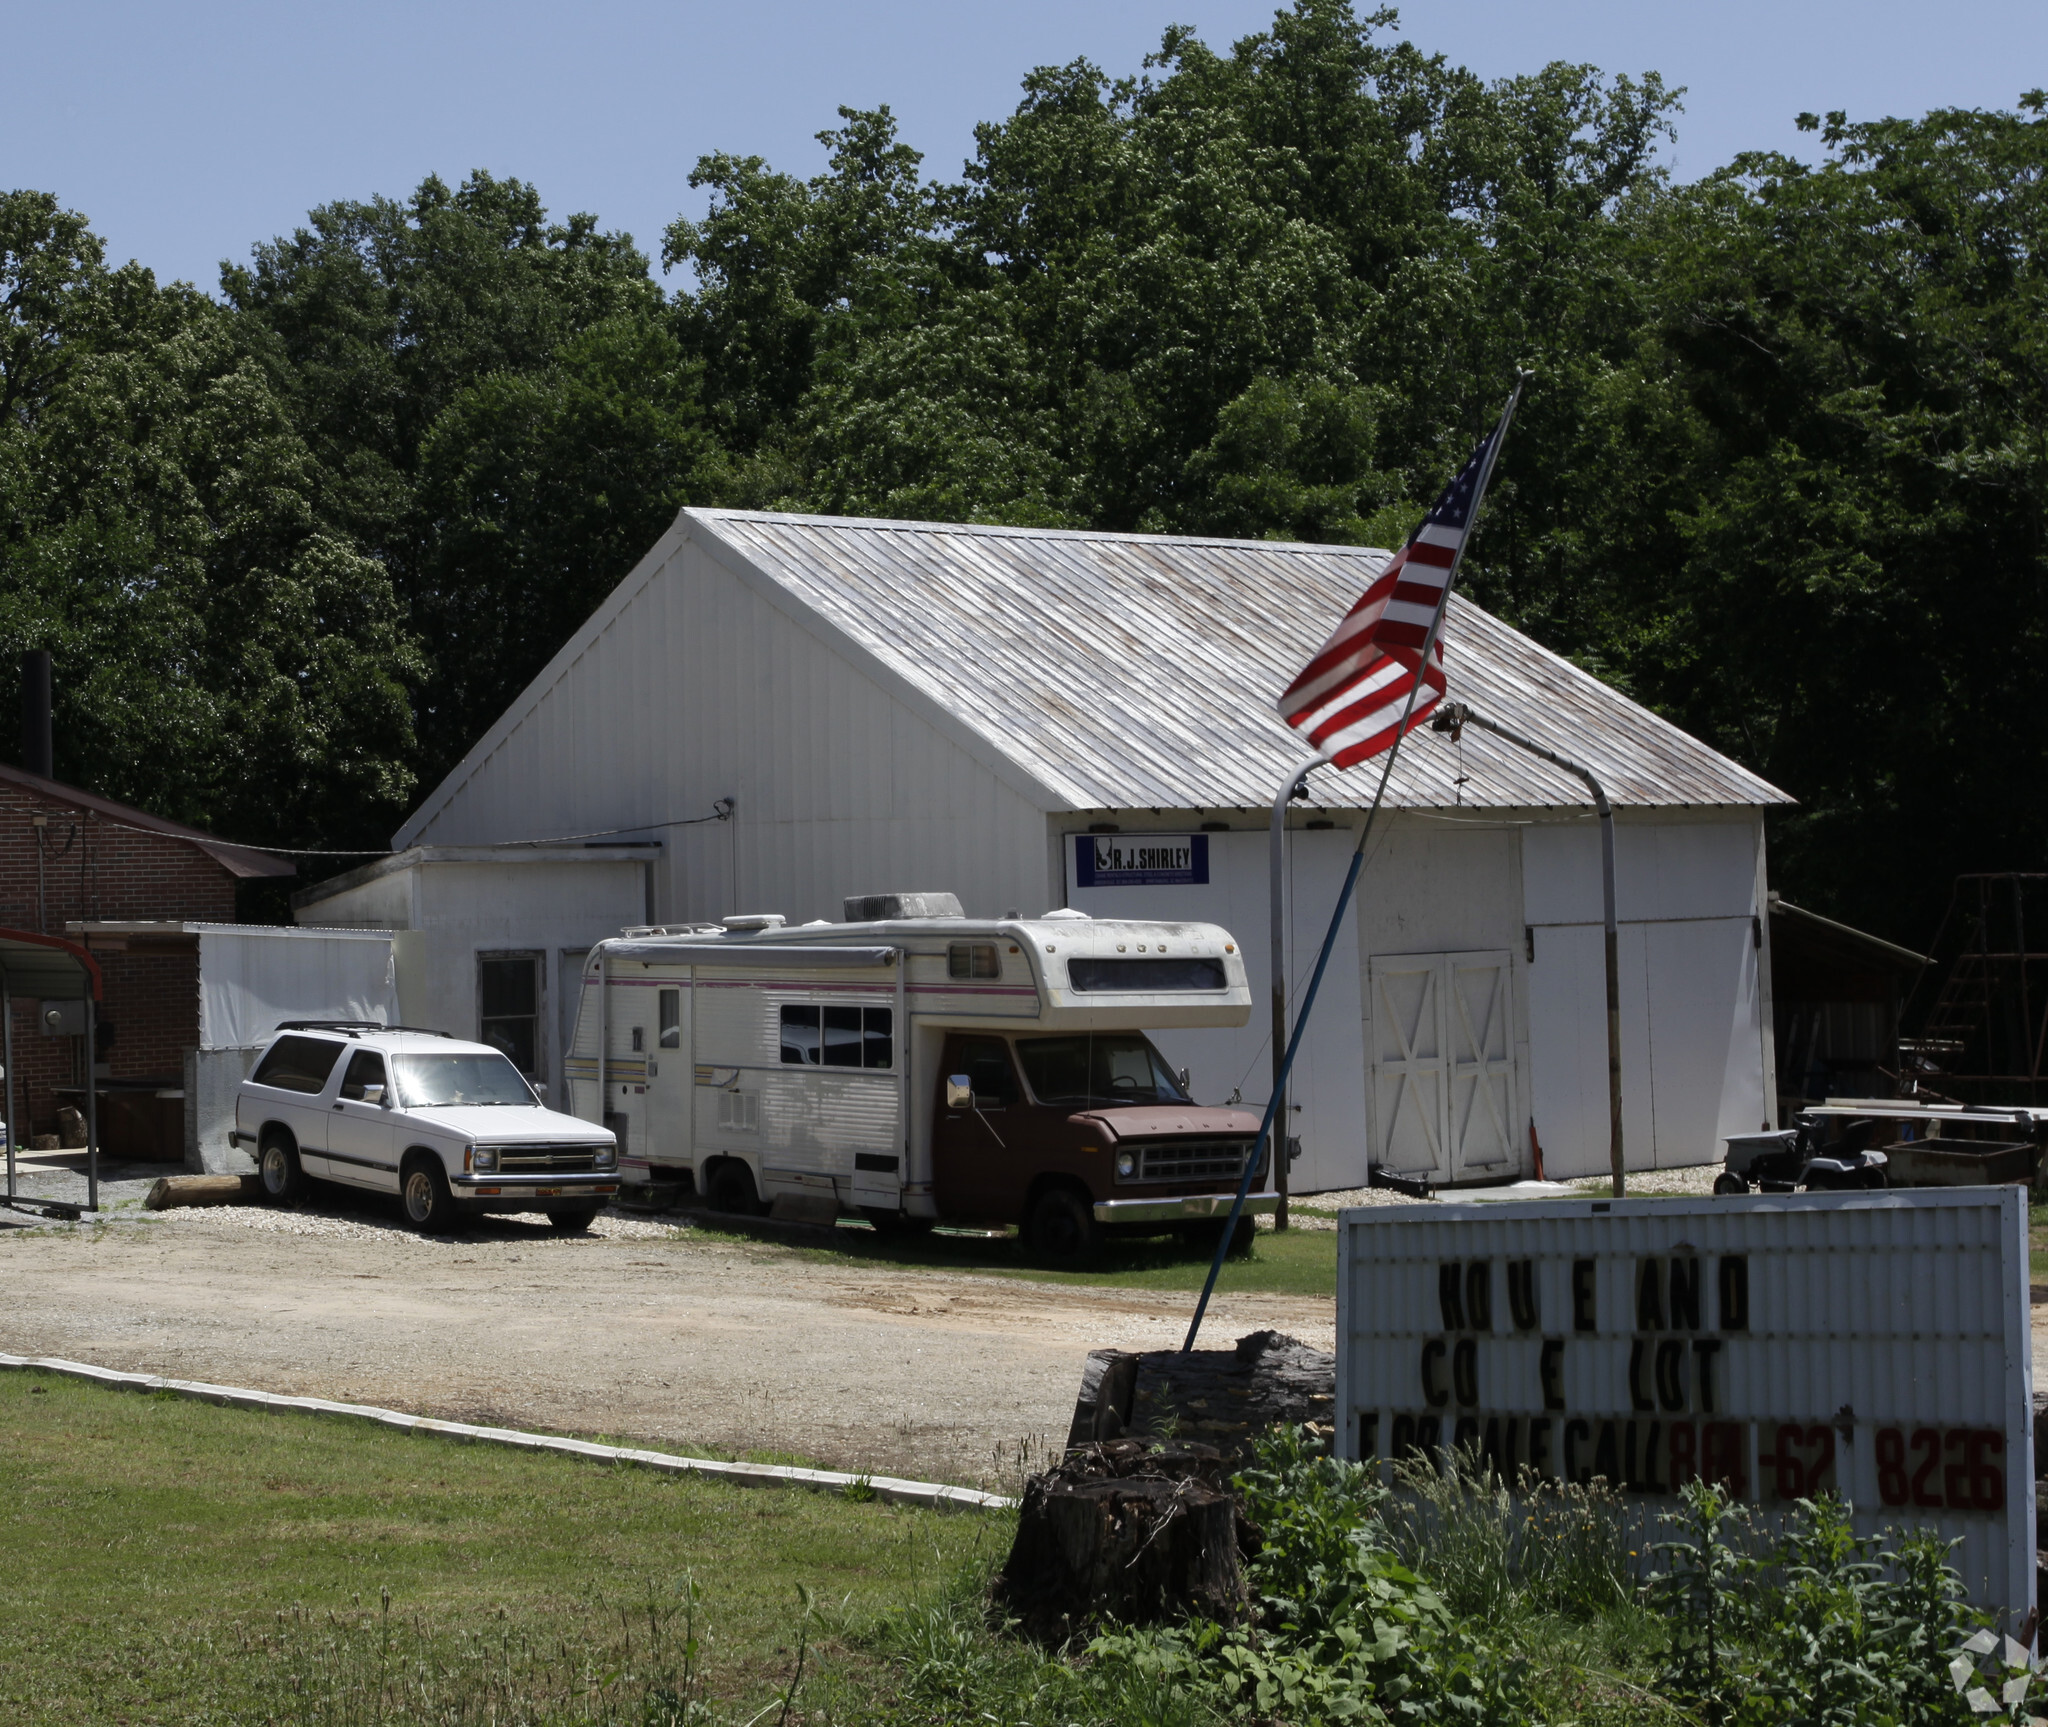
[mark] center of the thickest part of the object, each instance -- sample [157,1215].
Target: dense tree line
[1782,473]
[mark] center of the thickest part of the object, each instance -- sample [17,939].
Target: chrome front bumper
[1194,1206]
[566,1182]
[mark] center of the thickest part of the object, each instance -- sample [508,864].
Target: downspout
[1452,717]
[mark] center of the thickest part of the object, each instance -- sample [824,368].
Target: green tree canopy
[1779,473]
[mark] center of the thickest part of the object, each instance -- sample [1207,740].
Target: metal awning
[49,968]
[46,965]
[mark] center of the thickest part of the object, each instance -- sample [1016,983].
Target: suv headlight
[485,1159]
[1126,1165]
[607,1157]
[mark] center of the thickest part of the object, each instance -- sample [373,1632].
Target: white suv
[452,1128]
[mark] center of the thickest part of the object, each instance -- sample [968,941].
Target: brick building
[70,862]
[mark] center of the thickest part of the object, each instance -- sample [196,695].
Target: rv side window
[972,959]
[671,1018]
[800,1036]
[838,1036]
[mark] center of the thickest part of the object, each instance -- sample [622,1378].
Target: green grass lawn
[1298,1262]
[170,1561]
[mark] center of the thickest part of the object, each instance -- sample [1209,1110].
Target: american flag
[1348,699]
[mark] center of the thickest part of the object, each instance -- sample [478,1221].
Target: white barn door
[1443,1064]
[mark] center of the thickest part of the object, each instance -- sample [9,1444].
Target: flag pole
[1315,982]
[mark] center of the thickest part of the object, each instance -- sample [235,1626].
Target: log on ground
[175,1190]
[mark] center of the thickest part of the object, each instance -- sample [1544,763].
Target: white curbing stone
[932,1495]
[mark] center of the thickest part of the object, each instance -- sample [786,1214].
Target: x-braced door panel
[1408,1065]
[1443,1064]
[1480,1039]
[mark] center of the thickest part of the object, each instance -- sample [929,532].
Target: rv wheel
[732,1189]
[1061,1225]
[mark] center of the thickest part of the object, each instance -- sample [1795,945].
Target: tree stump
[1122,1531]
[1221,1397]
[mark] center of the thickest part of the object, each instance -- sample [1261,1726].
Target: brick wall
[92,868]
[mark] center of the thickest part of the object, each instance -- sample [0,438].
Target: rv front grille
[1192,1160]
[545,1159]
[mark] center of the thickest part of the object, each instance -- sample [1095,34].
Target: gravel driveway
[640,1330]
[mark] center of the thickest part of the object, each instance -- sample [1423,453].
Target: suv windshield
[1095,1069]
[427,1080]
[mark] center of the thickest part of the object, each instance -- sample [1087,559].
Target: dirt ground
[639,1331]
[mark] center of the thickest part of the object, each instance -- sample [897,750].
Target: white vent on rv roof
[751,920]
[1066,912]
[893,907]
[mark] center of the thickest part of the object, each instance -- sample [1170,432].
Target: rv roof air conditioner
[895,907]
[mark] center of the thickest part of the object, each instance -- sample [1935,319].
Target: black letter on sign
[1479,1294]
[1575,1472]
[1522,1293]
[1465,1371]
[1607,1456]
[1450,1296]
[1649,1295]
[1685,1295]
[1638,1396]
[1582,1295]
[1550,1370]
[1704,1349]
[1671,1373]
[1433,1394]
[1734,1293]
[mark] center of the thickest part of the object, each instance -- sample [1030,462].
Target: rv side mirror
[959,1092]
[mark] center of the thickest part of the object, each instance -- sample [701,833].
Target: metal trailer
[696,1047]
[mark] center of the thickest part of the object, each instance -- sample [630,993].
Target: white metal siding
[1694,1031]
[697,688]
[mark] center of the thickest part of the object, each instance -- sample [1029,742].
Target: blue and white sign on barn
[1141,860]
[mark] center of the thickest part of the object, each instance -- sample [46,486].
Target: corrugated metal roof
[1133,671]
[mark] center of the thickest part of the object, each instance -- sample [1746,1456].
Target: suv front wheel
[423,1192]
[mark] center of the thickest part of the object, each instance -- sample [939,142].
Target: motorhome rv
[914,1066]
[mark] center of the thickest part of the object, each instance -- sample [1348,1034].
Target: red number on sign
[1820,1469]
[1987,1480]
[1925,1439]
[1891,1466]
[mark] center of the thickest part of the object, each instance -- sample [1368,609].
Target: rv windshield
[425,1081]
[1093,1070]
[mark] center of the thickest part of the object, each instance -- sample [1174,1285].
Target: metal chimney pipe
[37,749]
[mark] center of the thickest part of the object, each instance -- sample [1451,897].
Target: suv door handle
[337,1106]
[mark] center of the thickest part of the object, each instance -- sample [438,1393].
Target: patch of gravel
[529,1229]
[1318,1210]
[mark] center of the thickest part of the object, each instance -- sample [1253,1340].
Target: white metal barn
[1031,718]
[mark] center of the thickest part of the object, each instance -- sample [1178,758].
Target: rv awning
[791,955]
[46,966]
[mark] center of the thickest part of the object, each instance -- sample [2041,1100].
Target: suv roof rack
[353,1026]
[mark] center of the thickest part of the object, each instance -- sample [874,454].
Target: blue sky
[187,133]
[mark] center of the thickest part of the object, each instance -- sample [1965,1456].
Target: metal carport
[48,968]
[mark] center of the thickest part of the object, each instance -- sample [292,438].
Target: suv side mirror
[373,1094]
[959,1092]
